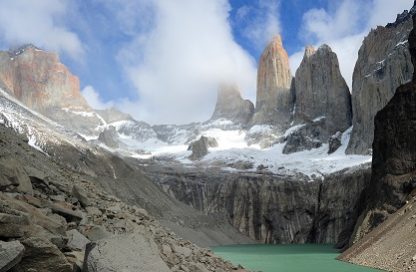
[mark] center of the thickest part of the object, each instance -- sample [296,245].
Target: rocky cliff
[383,64]
[390,244]
[230,105]
[271,208]
[40,81]
[321,91]
[274,100]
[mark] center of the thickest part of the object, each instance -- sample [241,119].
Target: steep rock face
[274,97]
[383,64]
[39,79]
[321,91]
[269,208]
[230,105]
[390,244]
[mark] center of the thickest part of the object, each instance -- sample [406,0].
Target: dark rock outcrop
[200,147]
[321,91]
[334,142]
[274,100]
[309,136]
[230,105]
[384,63]
[272,208]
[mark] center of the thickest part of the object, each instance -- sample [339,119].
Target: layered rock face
[271,208]
[39,79]
[383,64]
[321,91]
[230,105]
[274,100]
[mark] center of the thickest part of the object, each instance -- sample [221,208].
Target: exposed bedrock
[274,100]
[271,208]
[321,91]
[383,64]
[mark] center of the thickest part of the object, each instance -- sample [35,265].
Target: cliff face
[230,105]
[390,244]
[269,208]
[383,64]
[39,79]
[274,97]
[321,91]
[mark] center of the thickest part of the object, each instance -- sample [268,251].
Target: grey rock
[231,106]
[321,91]
[95,233]
[274,101]
[307,137]
[129,253]
[13,177]
[113,115]
[42,255]
[76,241]
[200,147]
[334,142]
[82,196]
[109,137]
[384,63]
[11,253]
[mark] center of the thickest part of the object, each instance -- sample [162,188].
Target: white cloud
[259,22]
[94,100]
[38,22]
[178,64]
[345,26]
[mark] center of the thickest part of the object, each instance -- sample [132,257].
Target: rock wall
[321,91]
[269,208]
[383,64]
[274,100]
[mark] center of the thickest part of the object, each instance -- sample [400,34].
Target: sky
[162,60]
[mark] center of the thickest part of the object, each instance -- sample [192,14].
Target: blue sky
[162,60]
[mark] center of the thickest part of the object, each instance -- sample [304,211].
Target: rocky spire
[321,91]
[230,105]
[274,98]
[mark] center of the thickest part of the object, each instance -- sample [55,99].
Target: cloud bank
[178,64]
[40,23]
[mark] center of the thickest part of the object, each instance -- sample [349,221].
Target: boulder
[200,147]
[95,233]
[321,91]
[42,255]
[76,241]
[274,100]
[79,193]
[11,253]
[127,253]
[307,136]
[231,106]
[334,142]
[13,177]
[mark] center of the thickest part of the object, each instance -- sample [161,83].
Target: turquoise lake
[287,258]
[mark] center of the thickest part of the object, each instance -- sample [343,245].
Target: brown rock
[274,98]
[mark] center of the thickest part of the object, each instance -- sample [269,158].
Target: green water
[287,258]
